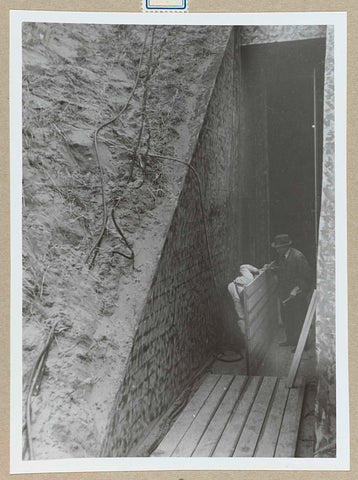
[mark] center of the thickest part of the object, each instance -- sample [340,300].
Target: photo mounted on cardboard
[175,242]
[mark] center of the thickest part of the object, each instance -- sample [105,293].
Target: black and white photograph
[178,213]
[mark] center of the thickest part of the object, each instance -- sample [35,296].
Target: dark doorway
[283,100]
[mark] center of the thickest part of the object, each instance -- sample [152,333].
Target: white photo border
[341,461]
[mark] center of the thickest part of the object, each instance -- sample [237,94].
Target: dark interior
[288,78]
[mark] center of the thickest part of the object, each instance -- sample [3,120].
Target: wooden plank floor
[236,416]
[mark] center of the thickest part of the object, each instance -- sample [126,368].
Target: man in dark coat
[294,285]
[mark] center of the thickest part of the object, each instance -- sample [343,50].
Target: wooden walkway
[236,416]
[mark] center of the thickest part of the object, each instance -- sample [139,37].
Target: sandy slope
[74,78]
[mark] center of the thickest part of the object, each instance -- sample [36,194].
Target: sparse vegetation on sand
[75,78]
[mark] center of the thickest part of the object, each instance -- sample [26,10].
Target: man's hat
[282,240]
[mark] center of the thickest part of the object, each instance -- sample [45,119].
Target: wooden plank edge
[230,379]
[288,451]
[242,387]
[249,406]
[157,424]
[302,341]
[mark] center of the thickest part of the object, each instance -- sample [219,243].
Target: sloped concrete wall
[326,307]
[184,313]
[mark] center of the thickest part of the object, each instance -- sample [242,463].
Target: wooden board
[256,299]
[286,444]
[237,416]
[259,344]
[259,354]
[255,284]
[256,321]
[261,318]
[250,435]
[183,422]
[194,433]
[262,336]
[227,443]
[214,431]
[270,432]
[302,341]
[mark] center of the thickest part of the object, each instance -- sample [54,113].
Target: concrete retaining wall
[326,306]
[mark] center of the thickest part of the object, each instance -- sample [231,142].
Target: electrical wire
[96,244]
[35,380]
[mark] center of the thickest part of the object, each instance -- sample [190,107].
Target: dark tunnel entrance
[281,147]
[294,122]
[282,92]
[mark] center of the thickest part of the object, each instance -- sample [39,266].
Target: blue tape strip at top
[159,7]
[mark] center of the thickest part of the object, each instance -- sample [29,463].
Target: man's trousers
[293,315]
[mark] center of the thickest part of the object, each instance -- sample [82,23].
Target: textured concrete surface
[254,34]
[326,307]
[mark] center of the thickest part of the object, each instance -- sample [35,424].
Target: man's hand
[272,267]
[267,266]
[295,291]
